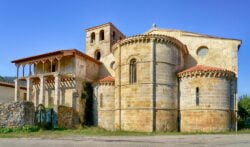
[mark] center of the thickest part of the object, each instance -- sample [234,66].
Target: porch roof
[55,54]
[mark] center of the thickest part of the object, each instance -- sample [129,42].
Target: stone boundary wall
[16,114]
[68,117]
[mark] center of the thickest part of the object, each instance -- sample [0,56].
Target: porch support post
[30,73]
[59,65]
[17,71]
[16,90]
[51,65]
[29,88]
[57,91]
[35,69]
[41,94]
[43,66]
[23,70]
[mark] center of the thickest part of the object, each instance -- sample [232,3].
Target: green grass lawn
[88,131]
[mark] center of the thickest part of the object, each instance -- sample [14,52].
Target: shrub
[19,129]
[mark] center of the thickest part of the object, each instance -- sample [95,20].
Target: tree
[243,110]
[244,103]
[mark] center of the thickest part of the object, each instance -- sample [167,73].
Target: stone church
[161,80]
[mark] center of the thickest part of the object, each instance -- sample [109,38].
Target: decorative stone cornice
[151,37]
[206,71]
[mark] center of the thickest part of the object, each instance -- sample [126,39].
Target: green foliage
[84,96]
[243,111]
[20,129]
[244,103]
[88,95]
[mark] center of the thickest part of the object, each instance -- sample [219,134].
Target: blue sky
[30,27]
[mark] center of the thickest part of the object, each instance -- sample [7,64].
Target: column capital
[57,75]
[42,76]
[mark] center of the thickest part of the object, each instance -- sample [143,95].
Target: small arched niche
[97,54]
[101,35]
[92,37]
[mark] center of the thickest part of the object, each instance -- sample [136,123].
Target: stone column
[57,90]
[17,71]
[35,69]
[29,88]
[41,94]
[59,66]
[16,90]
[43,66]
[61,102]
[24,70]
[30,73]
[51,65]
[36,100]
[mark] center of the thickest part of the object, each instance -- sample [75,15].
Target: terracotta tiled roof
[107,79]
[54,53]
[11,85]
[202,68]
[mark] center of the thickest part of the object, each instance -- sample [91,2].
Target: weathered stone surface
[67,117]
[213,113]
[17,114]
[205,120]
[104,111]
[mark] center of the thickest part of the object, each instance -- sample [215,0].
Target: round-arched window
[97,55]
[202,51]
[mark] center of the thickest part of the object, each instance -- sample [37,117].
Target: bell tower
[99,40]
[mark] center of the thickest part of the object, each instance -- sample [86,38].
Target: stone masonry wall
[67,117]
[134,105]
[17,114]
[7,94]
[168,61]
[141,109]
[213,113]
[104,104]
[223,53]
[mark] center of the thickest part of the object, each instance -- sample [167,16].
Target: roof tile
[107,79]
[202,68]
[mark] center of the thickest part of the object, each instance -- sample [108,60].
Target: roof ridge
[197,33]
[56,52]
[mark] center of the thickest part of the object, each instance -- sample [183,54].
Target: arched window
[197,95]
[97,55]
[113,35]
[202,51]
[132,71]
[92,37]
[101,35]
